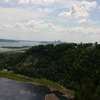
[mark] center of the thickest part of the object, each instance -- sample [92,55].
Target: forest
[74,66]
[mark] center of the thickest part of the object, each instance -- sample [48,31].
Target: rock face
[51,97]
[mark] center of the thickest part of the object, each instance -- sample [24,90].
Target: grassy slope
[44,82]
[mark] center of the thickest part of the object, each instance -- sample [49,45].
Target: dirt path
[51,97]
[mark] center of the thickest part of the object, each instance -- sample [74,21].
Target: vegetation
[74,66]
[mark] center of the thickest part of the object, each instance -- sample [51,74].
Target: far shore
[13,49]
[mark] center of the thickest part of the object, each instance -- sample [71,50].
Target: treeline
[75,66]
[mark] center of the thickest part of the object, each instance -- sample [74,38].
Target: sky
[49,20]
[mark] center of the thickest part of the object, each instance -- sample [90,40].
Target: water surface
[14,90]
[15,44]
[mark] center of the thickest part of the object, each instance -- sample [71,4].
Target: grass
[41,82]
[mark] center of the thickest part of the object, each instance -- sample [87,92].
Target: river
[15,44]
[15,90]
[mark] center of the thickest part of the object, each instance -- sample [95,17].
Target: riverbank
[40,82]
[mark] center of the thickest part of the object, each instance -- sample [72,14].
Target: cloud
[40,26]
[38,19]
[74,12]
[23,1]
[49,1]
[13,1]
[31,1]
[76,34]
[15,15]
[45,10]
[10,18]
[79,11]
[98,7]
[19,1]
[6,26]
[89,5]
[6,0]
[84,21]
[41,30]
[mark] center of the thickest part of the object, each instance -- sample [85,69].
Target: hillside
[74,66]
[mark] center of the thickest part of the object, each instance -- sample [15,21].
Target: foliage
[74,66]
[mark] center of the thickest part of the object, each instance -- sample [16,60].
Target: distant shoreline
[10,47]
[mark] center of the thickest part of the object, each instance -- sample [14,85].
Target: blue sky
[66,20]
